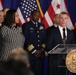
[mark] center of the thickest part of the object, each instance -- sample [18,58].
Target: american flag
[26,6]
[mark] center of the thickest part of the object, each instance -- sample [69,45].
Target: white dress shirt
[0,24]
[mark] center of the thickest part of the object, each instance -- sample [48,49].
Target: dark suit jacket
[55,38]
[74,31]
[49,30]
[1,39]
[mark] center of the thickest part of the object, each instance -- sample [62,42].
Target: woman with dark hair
[11,33]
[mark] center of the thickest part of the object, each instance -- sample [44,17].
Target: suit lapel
[67,36]
[59,35]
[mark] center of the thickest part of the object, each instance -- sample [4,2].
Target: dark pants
[36,65]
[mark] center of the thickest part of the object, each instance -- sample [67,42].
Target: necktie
[64,36]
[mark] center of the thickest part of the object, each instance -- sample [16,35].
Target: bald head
[56,19]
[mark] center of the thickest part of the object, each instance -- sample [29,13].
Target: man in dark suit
[56,23]
[59,35]
[35,34]
[1,40]
[1,20]
[74,31]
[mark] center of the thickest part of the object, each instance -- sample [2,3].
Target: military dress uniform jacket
[34,36]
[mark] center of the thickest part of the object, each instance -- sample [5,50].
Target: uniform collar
[34,22]
[55,25]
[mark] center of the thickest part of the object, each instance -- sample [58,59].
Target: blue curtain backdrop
[12,4]
[71,6]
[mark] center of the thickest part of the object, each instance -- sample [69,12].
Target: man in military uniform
[35,33]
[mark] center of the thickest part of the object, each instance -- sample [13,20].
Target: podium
[57,59]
